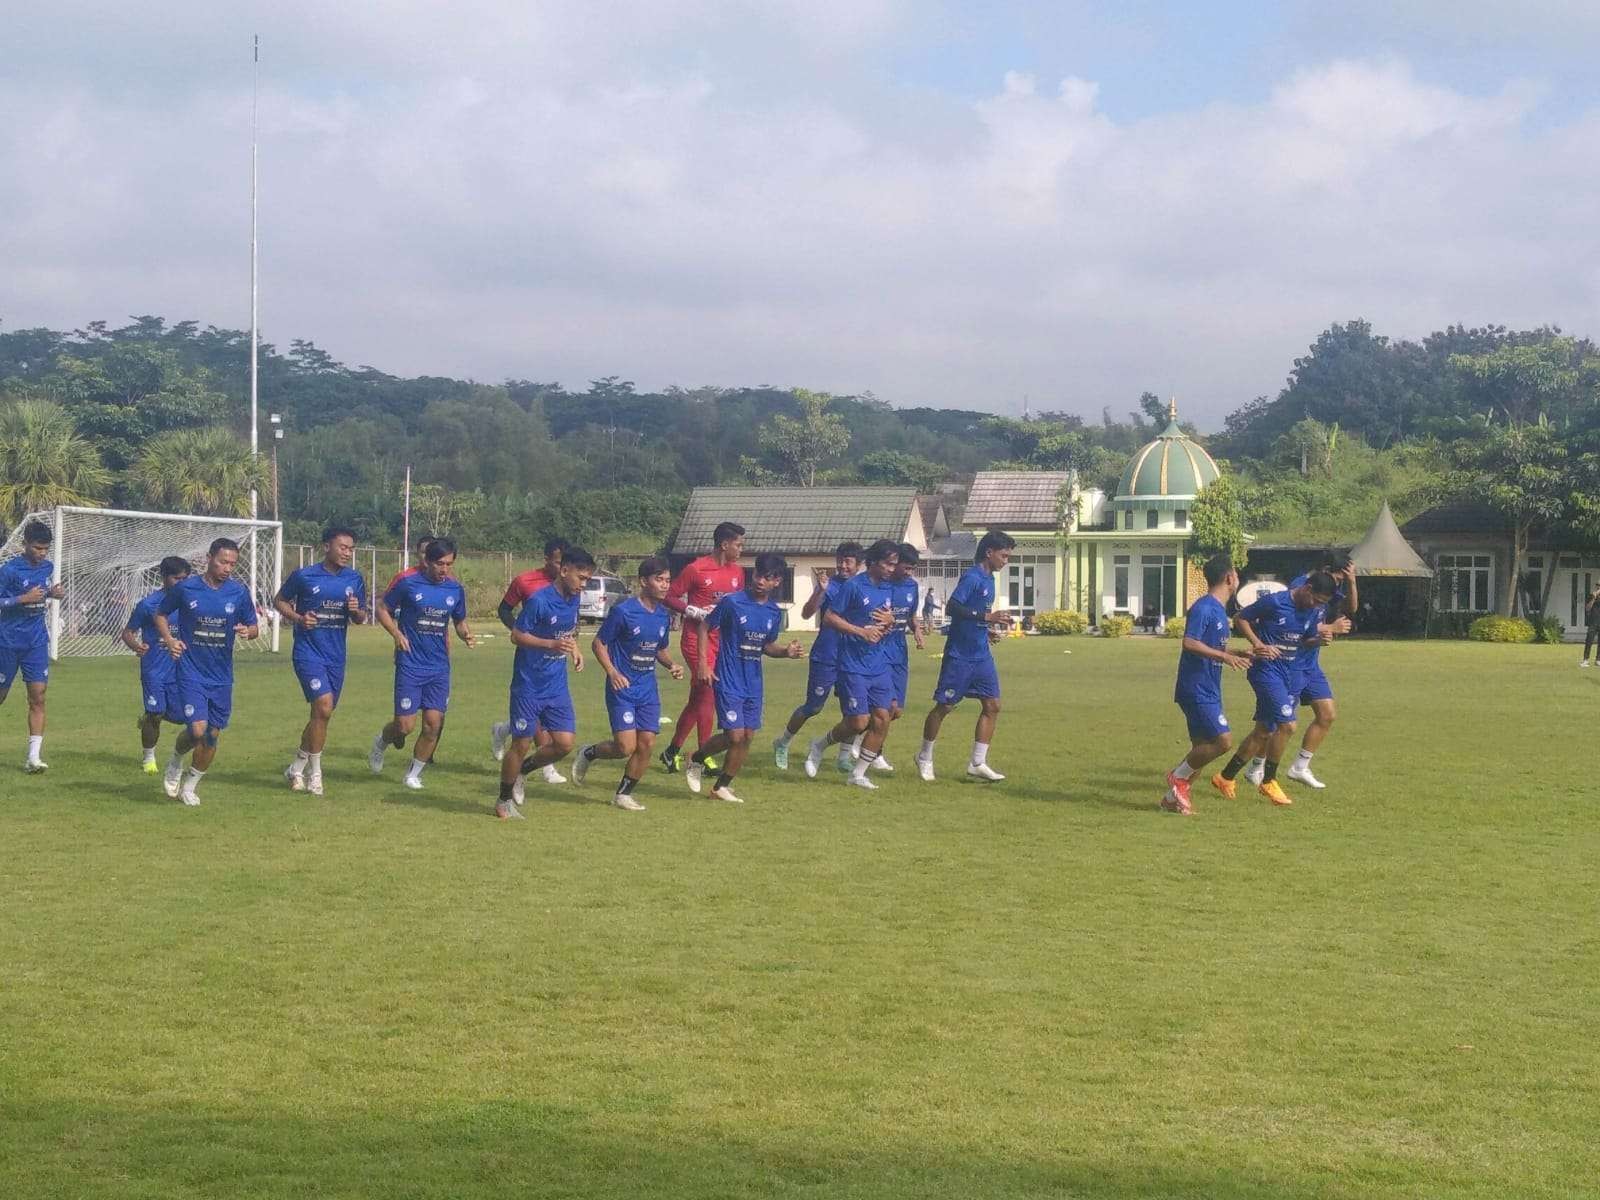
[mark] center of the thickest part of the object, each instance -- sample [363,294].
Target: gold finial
[1172,408]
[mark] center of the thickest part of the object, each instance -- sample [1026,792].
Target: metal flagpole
[255,319]
[405,526]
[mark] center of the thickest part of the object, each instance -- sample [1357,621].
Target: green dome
[1173,465]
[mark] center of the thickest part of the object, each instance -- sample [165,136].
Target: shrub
[1549,631]
[1174,628]
[1449,624]
[1116,626]
[1060,621]
[1501,629]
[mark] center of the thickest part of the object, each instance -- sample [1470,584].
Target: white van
[599,594]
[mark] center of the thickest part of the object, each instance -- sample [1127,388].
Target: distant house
[805,525]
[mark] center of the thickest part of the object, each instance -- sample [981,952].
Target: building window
[1181,518]
[1127,519]
[1152,518]
[1466,582]
[1119,571]
[1533,585]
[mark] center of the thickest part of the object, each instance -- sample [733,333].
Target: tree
[1312,444]
[794,448]
[1523,472]
[44,461]
[895,468]
[1217,523]
[208,471]
[440,510]
[1525,382]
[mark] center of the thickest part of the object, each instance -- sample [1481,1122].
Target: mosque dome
[1173,467]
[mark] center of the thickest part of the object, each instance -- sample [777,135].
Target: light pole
[277,436]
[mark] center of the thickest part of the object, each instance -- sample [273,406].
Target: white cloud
[711,192]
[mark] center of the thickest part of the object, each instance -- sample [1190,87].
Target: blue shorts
[164,698]
[1315,685]
[820,678]
[34,662]
[862,694]
[960,678]
[419,693]
[636,710]
[900,682]
[318,677]
[1206,720]
[1276,692]
[551,712]
[201,701]
[737,710]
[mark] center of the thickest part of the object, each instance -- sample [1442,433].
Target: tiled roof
[795,520]
[931,507]
[1457,516]
[1013,500]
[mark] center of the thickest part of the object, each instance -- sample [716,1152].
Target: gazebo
[1394,580]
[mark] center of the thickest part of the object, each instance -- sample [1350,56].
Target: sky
[972,204]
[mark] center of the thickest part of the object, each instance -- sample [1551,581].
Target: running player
[417,613]
[211,610]
[967,668]
[823,670]
[903,588]
[546,636]
[1199,688]
[866,693]
[697,590]
[320,601]
[632,639]
[158,674]
[1278,626]
[517,593]
[750,623]
[1315,690]
[423,543]
[25,585]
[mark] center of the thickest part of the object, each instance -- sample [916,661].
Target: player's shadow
[1137,796]
[440,801]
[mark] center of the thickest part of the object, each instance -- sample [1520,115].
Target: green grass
[1043,988]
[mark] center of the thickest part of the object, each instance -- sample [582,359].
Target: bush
[1116,626]
[1501,629]
[1058,622]
[1549,631]
[1174,628]
[1449,624]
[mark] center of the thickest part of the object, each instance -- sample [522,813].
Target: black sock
[1235,765]
[699,756]
[588,753]
[672,750]
[723,781]
[527,767]
[505,791]
[1269,772]
[625,788]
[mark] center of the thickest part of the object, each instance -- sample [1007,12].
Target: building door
[1581,588]
[1160,586]
[1020,594]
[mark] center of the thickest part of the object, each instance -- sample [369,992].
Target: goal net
[107,560]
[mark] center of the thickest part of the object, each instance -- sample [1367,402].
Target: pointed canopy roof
[1174,465]
[1385,552]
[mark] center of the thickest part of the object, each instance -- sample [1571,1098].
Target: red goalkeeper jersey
[701,584]
[525,585]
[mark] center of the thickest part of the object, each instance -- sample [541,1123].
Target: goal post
[107,561]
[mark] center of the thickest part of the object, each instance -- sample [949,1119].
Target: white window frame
[1480,571]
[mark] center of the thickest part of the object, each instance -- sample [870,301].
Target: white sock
[855,746]
[1303,759]
[980,753]
[1257,763]
[1183,770]
[502,730]
[35,744]
[859,771]
[175,763]
[415,770]
[300,760]
[926,753]
[150,754]
[192,778]
[315,762]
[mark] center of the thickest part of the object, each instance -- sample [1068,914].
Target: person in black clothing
[1591,618]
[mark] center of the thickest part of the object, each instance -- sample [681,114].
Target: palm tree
[44,461]
[206,471]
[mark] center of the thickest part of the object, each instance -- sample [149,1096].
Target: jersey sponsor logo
[194,604]
[417,596]
[317,591]
[227,608]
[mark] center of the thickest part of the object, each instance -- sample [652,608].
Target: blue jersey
[425,611]
[1331,611]
[1279,623]
[315,589]
[206,617]
[633,634]
[745,628]
[546,614]
[825,650]
[969,636]
[859,605]
[22,625]
[903,595]
[156,667]
[1200,679]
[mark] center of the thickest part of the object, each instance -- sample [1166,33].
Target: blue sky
[943,203]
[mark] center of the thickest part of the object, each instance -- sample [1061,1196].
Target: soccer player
[747,623]
[417,612]
[210,610]
[415,568]
[967,668]
[866,693]
[546,636]
[24,641]
[632,639]
[903,590]
[1315,690]
[517,593]
[320,601]
[698,589]
[1278,626]
[823,669]
[1199,688]
[158,674]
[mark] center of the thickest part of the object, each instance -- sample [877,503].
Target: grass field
[1043,988]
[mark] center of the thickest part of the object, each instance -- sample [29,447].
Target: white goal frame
[263,566]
